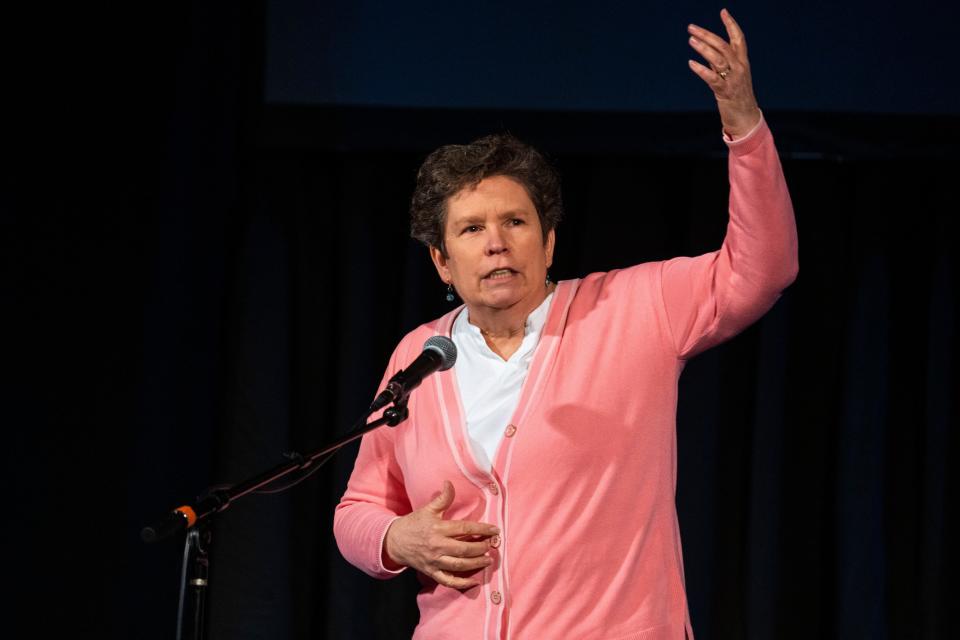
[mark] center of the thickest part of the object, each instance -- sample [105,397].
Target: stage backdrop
[605,55]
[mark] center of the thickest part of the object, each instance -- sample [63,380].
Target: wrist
[389,564]
[386,565]
[388,556]
[739,127]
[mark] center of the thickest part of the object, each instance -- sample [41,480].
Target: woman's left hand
[728,75]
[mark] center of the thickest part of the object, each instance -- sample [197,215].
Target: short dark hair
[454,167]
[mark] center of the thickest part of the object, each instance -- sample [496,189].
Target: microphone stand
[196,517]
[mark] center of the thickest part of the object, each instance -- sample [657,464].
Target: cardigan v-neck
[488,386]
[454,418]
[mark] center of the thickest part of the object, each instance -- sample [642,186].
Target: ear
[440,262]
[548,246]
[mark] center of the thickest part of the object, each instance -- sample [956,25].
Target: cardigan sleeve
[711,298]
[374,498]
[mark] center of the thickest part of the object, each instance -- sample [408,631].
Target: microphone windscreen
[445,347]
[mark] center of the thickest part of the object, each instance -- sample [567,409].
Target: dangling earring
[450,297]
[547,281]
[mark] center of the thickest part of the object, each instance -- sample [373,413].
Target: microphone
[439,353]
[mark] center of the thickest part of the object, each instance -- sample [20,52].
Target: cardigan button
[496,598]
[492,488]
[511,429]
[495,541]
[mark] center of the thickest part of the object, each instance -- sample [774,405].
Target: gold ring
[723,74]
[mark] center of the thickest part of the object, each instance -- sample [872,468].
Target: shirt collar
[534,324]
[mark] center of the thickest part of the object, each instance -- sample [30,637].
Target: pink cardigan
[583,483]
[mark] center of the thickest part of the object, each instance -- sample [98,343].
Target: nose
[495,242]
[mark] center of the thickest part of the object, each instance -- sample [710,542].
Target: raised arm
[710,298]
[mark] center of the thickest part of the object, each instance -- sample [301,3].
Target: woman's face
[496,254]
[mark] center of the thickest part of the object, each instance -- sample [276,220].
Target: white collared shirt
[489,385]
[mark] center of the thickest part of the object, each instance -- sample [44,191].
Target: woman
[533,487]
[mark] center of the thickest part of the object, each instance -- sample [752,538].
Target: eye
[471,229]
[516,222]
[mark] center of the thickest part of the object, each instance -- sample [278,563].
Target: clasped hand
[440,548]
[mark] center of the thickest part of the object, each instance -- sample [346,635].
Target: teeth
[499,272]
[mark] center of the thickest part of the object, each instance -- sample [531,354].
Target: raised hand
[438,548]
[728,75]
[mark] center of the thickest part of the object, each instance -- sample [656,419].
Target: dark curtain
[813,481]
[214,282]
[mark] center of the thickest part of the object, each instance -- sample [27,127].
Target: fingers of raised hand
[713,40]
[737,40]
[715,57]
[711,77]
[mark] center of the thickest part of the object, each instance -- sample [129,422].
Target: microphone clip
[397,413]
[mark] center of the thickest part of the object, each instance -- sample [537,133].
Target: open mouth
[499,274]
